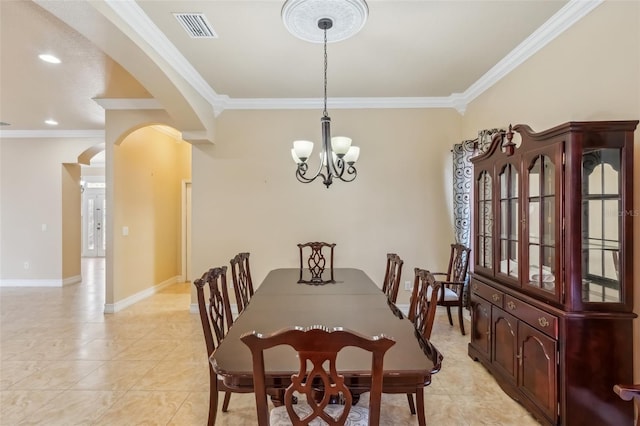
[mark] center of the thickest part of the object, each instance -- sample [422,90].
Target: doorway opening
[94,209]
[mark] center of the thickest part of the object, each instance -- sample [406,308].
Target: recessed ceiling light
[51,122]
[49,58]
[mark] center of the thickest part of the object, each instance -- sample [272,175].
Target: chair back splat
[316,347]
[316,262]
[392,275]
[424,298]
[242,284]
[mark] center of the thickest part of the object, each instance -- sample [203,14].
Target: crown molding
[562,20]
[62,134]
[140,22]
[572,12]
[338,103]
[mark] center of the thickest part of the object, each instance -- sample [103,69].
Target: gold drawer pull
[511,305]
[495,297]
[475,287]
[543,321]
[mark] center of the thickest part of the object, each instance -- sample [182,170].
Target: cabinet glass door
[541,224]
[484,225]
[601,223]
[509,221]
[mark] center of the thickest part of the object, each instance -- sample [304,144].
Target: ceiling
[408,54]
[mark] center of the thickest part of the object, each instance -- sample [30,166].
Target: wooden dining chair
[424,300]
[454,281]
[392,275]
[316,260]
[242,284]
[216,319]
[422,312]
[316,347]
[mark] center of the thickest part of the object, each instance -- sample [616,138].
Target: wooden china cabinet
[552,285]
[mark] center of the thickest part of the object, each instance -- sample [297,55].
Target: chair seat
[449,295]
[358,416]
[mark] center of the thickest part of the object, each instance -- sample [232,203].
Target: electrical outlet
[407,285]
[26,265]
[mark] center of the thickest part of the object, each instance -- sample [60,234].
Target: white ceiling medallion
[301,18]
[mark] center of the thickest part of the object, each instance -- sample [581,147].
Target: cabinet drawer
[487,292]
[538,319]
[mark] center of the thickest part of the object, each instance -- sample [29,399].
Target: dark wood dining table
[353,301]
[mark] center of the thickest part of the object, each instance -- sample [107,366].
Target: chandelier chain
[325,114]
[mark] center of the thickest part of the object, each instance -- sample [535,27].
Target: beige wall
[246,198]
[148,169]
[591,72]
[31,195]
[71,223]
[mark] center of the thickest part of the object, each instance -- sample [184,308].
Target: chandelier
[303,18]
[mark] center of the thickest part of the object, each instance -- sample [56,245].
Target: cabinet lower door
[538,369]
[505,343]
[481,325]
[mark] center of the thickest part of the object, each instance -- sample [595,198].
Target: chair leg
[412,406]
[225,402]
[213,401]
[449,315]
[420,406]
[460,319]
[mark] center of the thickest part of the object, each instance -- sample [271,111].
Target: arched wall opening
[146,169]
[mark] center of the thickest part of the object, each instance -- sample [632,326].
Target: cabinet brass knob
[475,287]
[511,305]
[495,297]
[543,321]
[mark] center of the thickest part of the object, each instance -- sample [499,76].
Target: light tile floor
[64,362]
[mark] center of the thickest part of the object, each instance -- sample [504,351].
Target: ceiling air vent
[196,25]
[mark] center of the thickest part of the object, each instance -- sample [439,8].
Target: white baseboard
[111,308]
[41,283]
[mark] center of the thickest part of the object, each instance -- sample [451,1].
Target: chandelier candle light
[338,156]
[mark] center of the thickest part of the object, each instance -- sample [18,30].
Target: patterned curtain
[462,179]
[462,190]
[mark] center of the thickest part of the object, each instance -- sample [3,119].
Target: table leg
[420,406]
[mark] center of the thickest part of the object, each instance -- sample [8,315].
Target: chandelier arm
[301,173]
[351,171]
[339,168]
[302,178]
